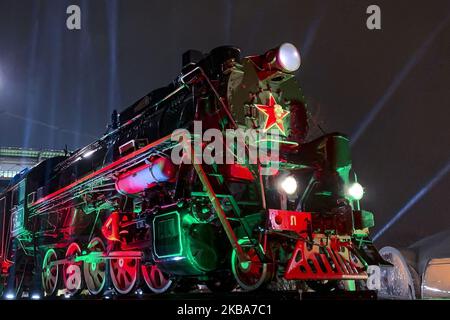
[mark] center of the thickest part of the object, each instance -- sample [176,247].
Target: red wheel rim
[251,274]
[155,279]
[72,271]
[124,272]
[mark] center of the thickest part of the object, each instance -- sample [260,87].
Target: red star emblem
[274,114]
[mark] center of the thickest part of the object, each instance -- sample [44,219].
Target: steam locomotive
[121,213]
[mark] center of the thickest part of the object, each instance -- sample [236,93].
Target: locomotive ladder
[220,212]
[224,219]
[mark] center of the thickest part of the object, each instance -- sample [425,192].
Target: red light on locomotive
[146,176]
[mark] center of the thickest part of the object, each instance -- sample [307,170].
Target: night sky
[388,89]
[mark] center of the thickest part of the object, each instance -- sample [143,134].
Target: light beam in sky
[414,199]
[1,79]
[404,72]
[113,94]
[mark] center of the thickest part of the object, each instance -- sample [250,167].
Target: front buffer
[329,246]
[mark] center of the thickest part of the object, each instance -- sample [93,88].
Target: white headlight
[289,57]
[355,191]
[289,185]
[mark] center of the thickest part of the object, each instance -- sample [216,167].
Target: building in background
[13,160]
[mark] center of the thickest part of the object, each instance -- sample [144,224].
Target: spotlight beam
[419,195]
[32,96]
[258,19]
[44,124]
[229,5]
[311,35]
[412,62]
[113,97]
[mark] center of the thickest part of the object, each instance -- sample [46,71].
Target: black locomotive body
[122,213]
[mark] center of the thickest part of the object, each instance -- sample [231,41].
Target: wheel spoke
[98,278]
[127,276]
[160,278]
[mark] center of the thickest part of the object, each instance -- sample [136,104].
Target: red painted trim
[285,220]
[102,170]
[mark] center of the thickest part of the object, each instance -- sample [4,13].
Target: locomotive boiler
[145,207]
